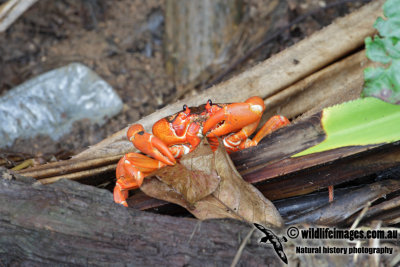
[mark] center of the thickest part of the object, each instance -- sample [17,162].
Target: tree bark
[68,223]
[71,224]
[198,34]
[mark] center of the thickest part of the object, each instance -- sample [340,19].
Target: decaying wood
[70,223]
[392,217]
[385,211]
[9,160]
[342,208]
[270,77]
[292,207]
[80,174]
[288,208]
[337,83]
[297,176]
[332,172]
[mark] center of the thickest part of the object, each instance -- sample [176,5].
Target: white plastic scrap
[50,103]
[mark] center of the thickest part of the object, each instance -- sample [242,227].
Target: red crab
[179,134]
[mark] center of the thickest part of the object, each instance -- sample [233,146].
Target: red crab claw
[150,144]
[234,117]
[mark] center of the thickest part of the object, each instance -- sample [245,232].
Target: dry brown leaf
[228,196]
[195,176]
[207,208]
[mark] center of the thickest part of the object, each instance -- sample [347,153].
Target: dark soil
[122,41]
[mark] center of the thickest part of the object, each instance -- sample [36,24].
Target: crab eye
[186,110]
[209,105]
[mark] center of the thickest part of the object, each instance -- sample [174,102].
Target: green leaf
[365,121]
[376,81]
[392,47]
[376,50]
[380,82]
[395,74]
[388,28]
[383,83]
[391,8]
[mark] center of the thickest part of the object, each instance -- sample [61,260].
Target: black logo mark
[274,240]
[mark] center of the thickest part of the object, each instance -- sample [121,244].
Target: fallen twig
[240,250]
[11,10]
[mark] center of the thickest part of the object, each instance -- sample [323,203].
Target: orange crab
[179,134]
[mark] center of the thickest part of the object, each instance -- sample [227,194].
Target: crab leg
[150,144]
[233,141]
[120,196]
[239,140]
[273,124]
[242,118]
[131,170]
[134,167]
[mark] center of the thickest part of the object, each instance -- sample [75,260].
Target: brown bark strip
[337,83]
[317,174]
[80,174]
[293,165]
[62,168]
[334,213]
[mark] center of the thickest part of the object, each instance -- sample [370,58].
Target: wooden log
[68,223]
[280,145]
[287,208]
[270,77]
